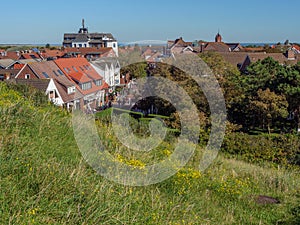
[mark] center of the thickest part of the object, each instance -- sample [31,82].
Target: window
[80,45]
[55,73]
[66,69]
[98,82]
[114,45]
[27,76]
[71,90]
[74,68]
[86,86]
[45,74]
[60,72]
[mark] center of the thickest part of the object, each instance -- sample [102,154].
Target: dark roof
[233,46]
[81,38]
[52,70]
[86,36]
[216,46]
[40,84]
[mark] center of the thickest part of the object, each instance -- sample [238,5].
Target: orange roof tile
[81,71]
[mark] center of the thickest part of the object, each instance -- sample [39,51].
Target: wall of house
[82,44]
[58,100]
[114,46]
[24,71]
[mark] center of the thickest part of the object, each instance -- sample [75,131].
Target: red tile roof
[11,55]
[18,66]
[47,53]
[32,55]
[79,70]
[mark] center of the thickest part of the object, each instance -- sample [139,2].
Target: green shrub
[278,149]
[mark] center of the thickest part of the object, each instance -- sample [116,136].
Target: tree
[268,107]
[47,46]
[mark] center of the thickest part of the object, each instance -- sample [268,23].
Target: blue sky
[36,21]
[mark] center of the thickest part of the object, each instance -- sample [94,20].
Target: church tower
[218,37]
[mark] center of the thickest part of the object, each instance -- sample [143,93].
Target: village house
[88,82]
[62,92]
[109,68]
[47,86]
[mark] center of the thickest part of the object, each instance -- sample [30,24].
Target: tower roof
[218,37]
[83,29]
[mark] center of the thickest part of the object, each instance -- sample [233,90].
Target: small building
[89,83]
[84,39]
[65,94]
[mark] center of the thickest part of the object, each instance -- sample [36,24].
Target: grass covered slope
[44,179]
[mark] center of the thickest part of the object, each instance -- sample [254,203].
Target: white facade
[53,94]
[80,45]
[109,69]
[114,46]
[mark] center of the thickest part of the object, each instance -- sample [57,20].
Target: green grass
[45,180]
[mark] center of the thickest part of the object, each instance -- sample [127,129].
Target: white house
[109,69]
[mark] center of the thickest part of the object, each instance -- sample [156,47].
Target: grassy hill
[45,180]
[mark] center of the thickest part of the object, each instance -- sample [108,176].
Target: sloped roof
[216,46]
[61,81]
[47,53]
[40,84]
[6,62]
[32,55]
[11,55]
[86,51]
[234,58]
[81,71]
[89,35]
[52,70]
[234,46]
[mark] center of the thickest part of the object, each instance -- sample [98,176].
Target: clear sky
[40,22]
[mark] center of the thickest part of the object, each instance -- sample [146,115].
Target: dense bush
[278,149]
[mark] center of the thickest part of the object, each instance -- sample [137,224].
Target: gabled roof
[4,63]
[80,71]
[234,46]
[49,70]
[217,46]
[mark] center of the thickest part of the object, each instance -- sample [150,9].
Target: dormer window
[98,82]
[86,86]
[71,90]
